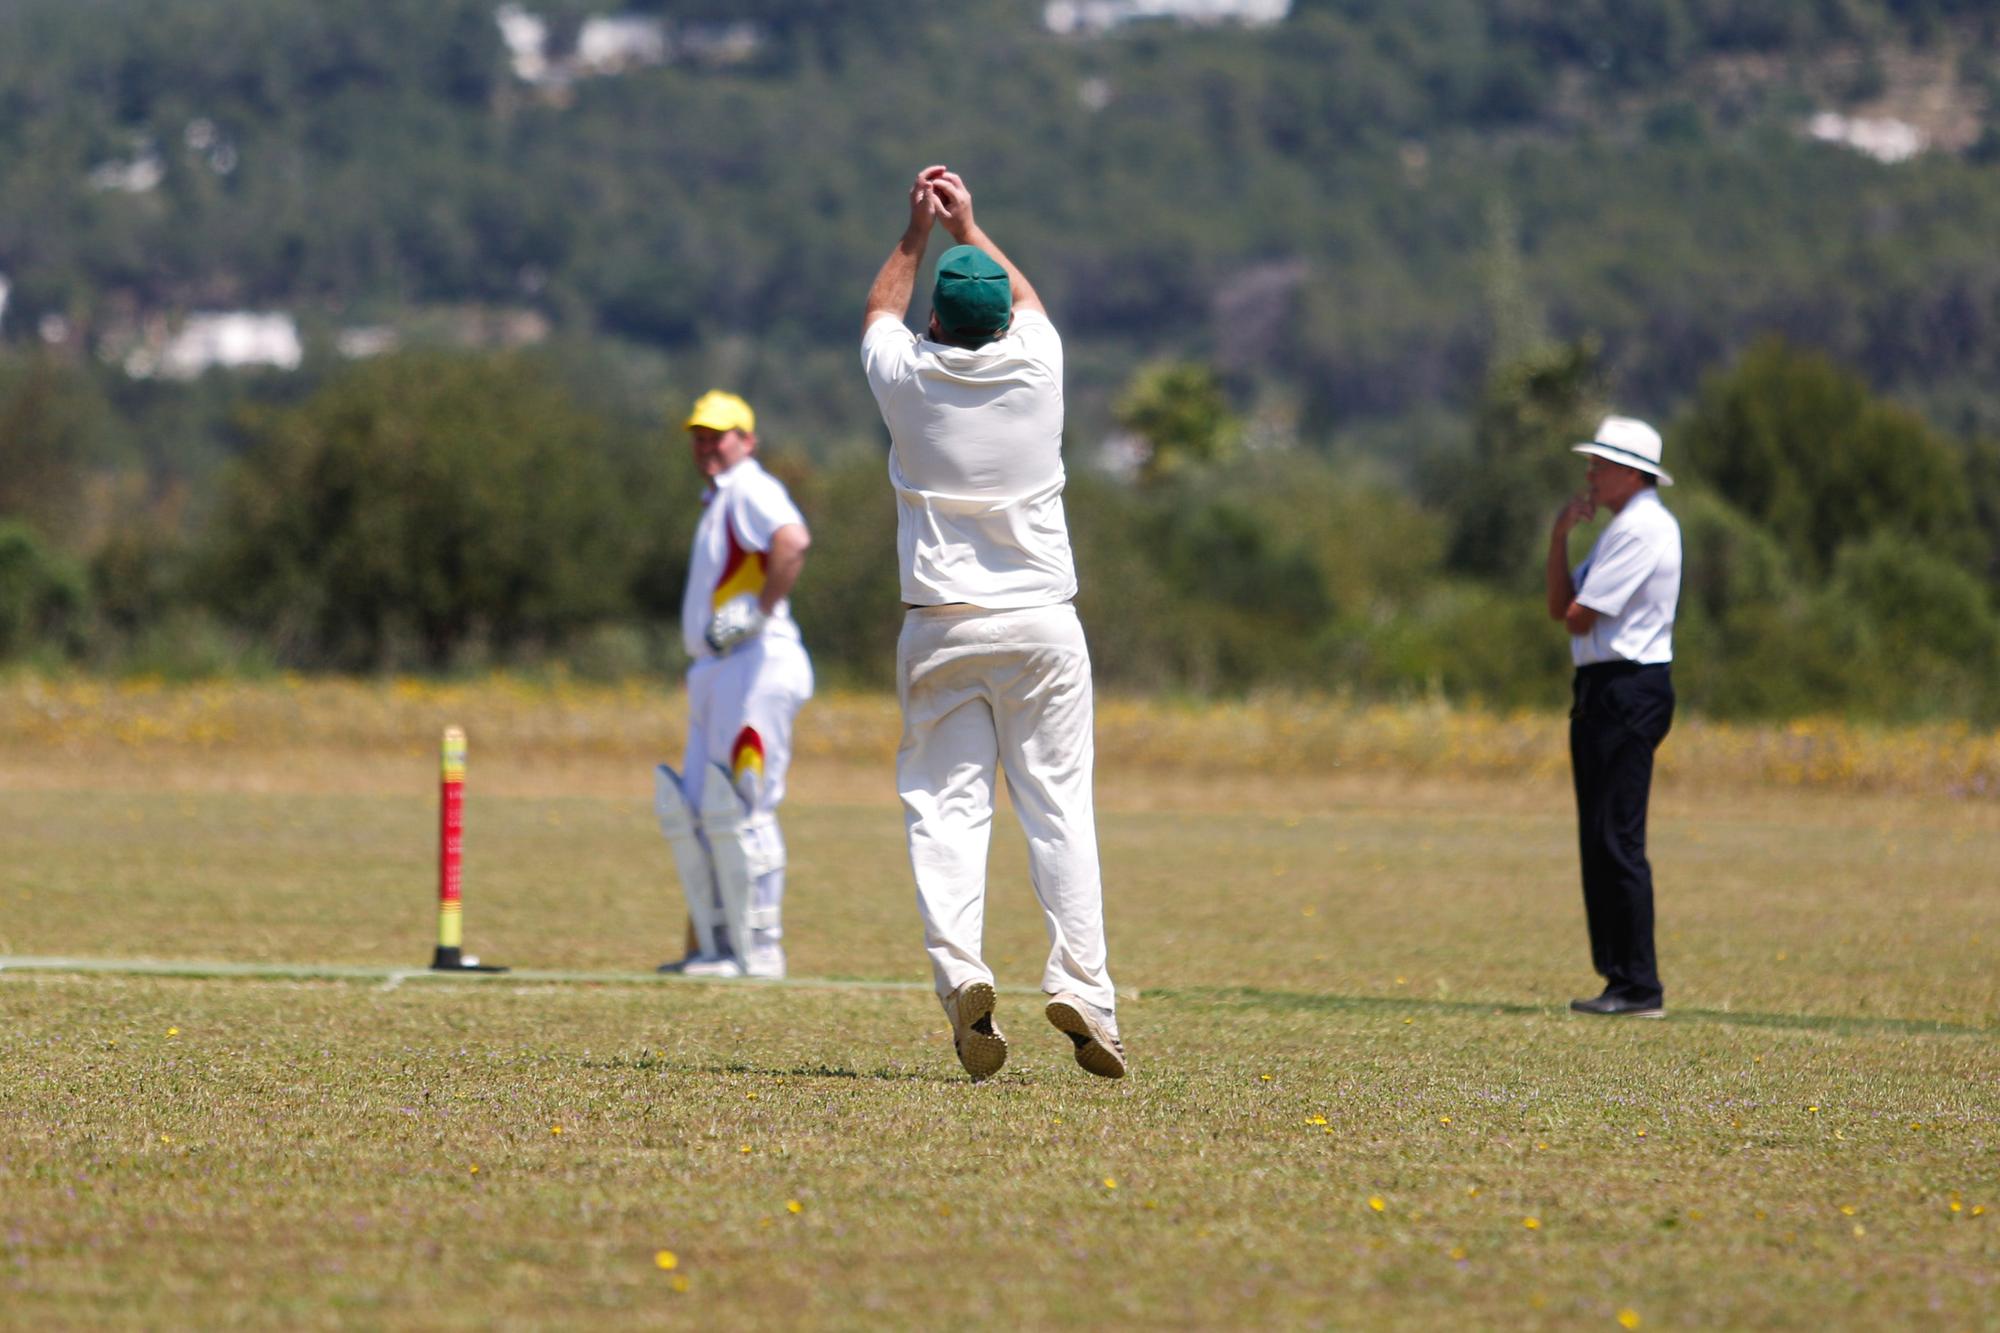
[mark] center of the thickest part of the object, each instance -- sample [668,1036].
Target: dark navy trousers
[1620,713]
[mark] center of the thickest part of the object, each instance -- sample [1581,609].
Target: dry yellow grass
[561,721]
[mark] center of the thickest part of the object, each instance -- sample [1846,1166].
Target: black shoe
[1615,1006]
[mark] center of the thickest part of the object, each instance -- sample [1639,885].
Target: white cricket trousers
[1009,690]
[740,713]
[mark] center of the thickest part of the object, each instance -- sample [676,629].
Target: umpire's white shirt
[1632,579]
[976,459]
[744,507]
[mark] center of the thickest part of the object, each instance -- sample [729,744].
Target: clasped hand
[940,196]
[738,619]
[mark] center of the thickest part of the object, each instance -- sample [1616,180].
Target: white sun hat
[1630,441]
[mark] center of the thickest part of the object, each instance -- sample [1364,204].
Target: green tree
[423,507]
[1181,411]
[1803,448]
[44,598]
[1502,498]
[54,427]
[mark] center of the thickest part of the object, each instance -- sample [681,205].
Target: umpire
[1618,606]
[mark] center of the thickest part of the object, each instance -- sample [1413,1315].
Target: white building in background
[526,37]
[6,288]
[1092,16]
[613,43]
[229,339]
[609,44]
[141,174]
[1883,138]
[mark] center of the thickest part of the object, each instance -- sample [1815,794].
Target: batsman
[750,676]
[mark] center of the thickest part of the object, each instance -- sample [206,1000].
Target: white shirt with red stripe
[743,508]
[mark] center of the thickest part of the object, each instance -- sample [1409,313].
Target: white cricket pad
[680,825]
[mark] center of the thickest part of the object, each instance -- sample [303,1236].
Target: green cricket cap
[972,297]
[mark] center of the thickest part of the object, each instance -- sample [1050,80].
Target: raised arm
[1563,605]
[954,213]
[894,285]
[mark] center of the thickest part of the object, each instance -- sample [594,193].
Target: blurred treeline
[1338,293]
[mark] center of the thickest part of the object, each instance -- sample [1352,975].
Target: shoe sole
[982,1053]
[1626,1013]
[1091,1052]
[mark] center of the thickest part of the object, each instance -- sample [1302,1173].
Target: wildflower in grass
[1956,1206]
[1812,1110]
[1458,1253]
[1150,1205]
[1859,1230]
[749,1096]
[666,1260]
[166,1138]
[1444,1120]
[794,1207]
[1377,1202]
[678,1282]
[173,1032]
[473,1169]
[1532,1223]
[1110,1183]
[1979,1210]
[555,1131]
[1642,1133]
[1315,1120]
[1472,1191]
[1263,1078]
[1628,1318]
[745,1149]
[1847,1209]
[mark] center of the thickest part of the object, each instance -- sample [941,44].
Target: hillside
[1378,229]
[1306,202]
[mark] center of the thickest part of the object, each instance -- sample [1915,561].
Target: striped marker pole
[451,864]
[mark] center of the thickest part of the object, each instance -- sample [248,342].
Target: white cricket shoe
[1094,1032]
[767,962]
[982,1047]
[704,965]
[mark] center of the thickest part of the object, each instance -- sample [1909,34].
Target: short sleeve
[759,509]
[1040,343]
[888,354]
[1615,571]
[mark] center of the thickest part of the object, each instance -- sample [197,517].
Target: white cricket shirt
[1632,579]
[742,508]
[976,459]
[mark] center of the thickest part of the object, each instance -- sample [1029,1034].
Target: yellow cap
[722,411]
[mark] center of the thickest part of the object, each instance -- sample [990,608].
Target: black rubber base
[450,960]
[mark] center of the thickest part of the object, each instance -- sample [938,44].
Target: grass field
[1356,1099]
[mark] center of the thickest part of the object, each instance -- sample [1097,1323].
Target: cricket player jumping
[750,675]
[991,666]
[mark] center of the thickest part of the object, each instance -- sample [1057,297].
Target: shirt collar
[723,480]
[1646,495]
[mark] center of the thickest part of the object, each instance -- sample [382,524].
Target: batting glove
[740,618]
